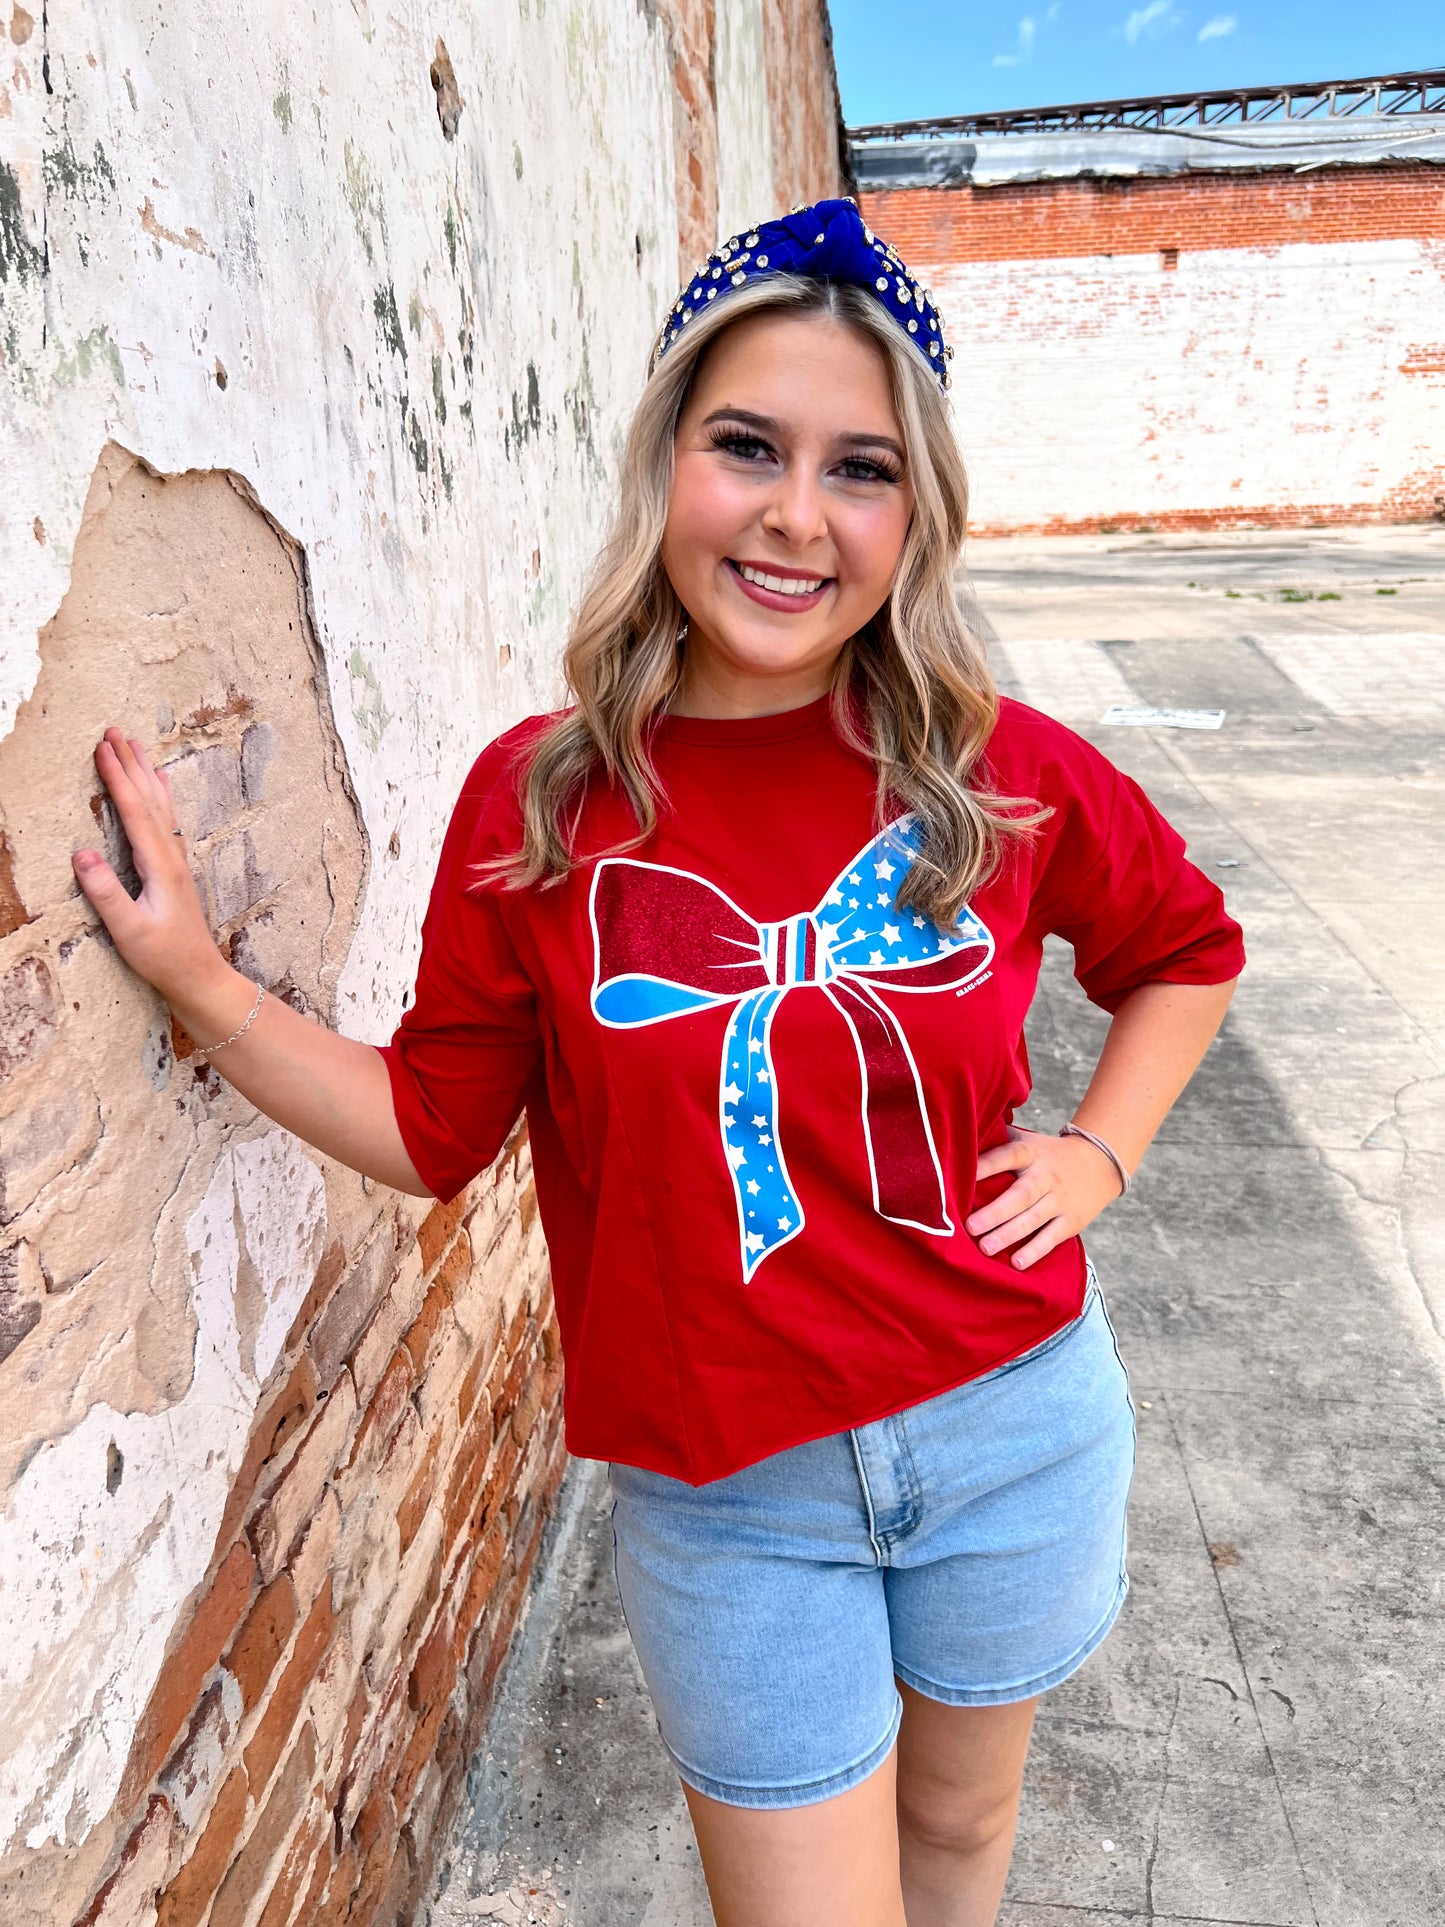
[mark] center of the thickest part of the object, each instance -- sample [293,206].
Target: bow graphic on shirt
[667,942]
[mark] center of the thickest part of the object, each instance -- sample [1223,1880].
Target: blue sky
[906,59]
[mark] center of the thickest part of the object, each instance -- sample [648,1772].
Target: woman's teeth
[781,585]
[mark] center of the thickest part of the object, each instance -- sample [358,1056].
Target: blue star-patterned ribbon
[667,942]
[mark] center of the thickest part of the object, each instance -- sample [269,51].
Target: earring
[682,632]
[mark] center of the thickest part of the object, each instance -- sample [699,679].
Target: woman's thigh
[832,1863]
[961,1770]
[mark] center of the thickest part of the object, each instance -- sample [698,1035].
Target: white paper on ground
[1141,717]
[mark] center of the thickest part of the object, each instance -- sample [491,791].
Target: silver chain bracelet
[1077,1130]
[208,1049]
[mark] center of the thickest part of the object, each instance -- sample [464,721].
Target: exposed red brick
[254,1868]
[189,1894]
[351,1734]
[384,1412]
[482,1575]
[435,1231]
[195,1766]
[13,914]
[140,1871]
[471,1386]
[1149,214]
[434,1669]
[419,1496]
[183,1676]
[376,1821]
[505,1397]
[464,1491]
[268,1742]
[425,1335]
[449,1743]
[392,1904]
[300,1486]
[375,1879]
[335,1904]
[419,1749]
[256,1651]
[529,1405]
[351,1307]
[505,1459]
[421,1613]
[328,1274]
[805,118]
[296,1874]
[551,1333]
[284,1414]
[457,1261]
[380,1742]
[310,1908]
[1418,505]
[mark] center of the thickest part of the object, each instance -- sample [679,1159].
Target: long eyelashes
[875,471]
[746,447]
[752,448]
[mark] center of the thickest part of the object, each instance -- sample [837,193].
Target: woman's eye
[747,448]
[858,468]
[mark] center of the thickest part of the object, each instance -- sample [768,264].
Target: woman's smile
[775,587]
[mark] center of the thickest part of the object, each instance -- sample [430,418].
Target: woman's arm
[332,1091]
[1159,1034]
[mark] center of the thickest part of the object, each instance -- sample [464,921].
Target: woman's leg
[960,1772]
[832,1864]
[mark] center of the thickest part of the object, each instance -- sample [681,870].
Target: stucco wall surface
[1294,384]
[318,332]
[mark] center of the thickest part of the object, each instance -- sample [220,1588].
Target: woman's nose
[796,510]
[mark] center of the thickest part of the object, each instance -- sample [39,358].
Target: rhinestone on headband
[824,242]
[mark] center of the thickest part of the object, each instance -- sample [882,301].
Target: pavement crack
[1244,1675]
[1158,1828]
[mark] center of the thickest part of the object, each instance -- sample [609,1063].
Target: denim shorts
[972,1546]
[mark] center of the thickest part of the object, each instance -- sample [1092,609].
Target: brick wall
[1041,220]
[803,107]
[317,1716]
[1192,351]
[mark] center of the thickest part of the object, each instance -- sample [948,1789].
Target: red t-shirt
[756,1089]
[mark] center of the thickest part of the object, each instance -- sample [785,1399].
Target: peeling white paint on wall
[428,347]
[1248,378]
[110,1528]
[744,134]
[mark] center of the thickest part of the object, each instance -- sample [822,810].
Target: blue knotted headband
[824,242]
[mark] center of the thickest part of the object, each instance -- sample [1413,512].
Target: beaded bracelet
[1077,1130]
[206,1050]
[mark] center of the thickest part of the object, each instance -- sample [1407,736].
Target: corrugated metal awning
[994,160]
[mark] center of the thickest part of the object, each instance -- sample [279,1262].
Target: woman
[751,931]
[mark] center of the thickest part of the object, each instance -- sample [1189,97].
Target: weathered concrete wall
[1197,351]
[317,336]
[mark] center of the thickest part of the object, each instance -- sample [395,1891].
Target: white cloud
[1154,19]
[1218,27]
[1027,32]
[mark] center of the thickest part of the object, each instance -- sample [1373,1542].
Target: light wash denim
[972,1546]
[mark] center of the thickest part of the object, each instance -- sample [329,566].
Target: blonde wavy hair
[911,690]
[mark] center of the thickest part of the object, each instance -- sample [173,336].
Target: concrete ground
[1258,1744]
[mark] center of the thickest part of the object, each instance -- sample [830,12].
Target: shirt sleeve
[463,1055]
[1118,887]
